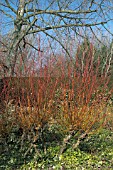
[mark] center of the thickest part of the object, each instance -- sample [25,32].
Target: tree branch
[65,26]
[10,7]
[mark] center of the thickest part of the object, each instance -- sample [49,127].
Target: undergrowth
[94,152]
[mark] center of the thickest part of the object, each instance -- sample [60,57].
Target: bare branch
[10,7]
[31,17]
[64,26]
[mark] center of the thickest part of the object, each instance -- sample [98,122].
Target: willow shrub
[72,95]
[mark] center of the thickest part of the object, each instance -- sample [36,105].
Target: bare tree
[53,18]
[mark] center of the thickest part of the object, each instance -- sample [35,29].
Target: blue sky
[7,25]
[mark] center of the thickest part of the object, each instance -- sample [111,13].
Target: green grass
[95,152]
